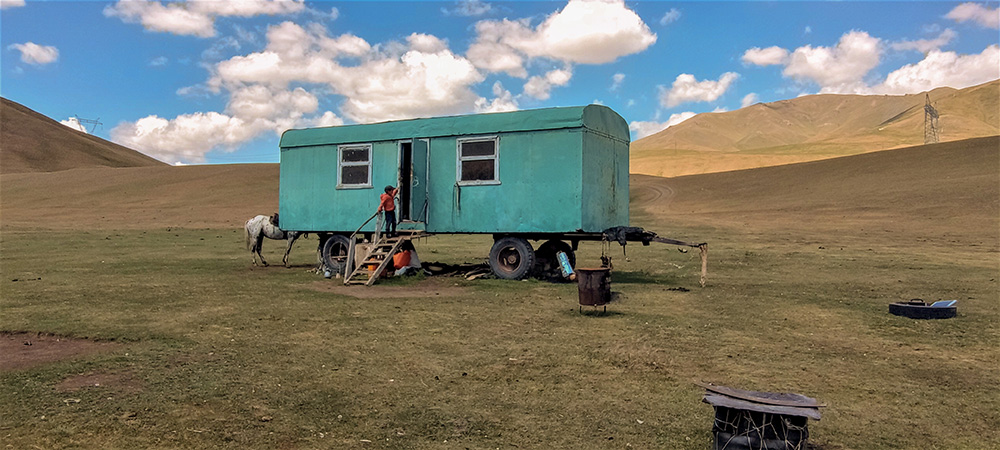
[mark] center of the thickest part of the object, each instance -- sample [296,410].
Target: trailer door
[418,181]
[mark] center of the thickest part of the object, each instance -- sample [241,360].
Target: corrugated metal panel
[597,118]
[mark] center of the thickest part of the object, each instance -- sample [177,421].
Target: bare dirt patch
[26,350]
[424,289]
[119,382]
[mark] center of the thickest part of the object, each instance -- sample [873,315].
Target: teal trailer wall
[569,175]
[605,182]
[539,188]
[308,197]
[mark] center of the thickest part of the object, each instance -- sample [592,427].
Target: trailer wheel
[512,258]
[333,253]
[546,261]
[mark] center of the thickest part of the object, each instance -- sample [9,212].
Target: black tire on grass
[512,258]
[546,260]
[333,253]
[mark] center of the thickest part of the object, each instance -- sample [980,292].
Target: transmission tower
[931,128]
[93,123]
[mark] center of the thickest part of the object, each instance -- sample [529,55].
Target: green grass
[231,356]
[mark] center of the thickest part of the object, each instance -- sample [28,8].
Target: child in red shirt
[387,203]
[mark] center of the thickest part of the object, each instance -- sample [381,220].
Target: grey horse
[258,228]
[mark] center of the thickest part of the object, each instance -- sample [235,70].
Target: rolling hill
[811,128]
[31,142]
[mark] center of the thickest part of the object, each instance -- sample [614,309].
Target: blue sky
[216,82]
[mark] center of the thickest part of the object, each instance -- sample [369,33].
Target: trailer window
[477,161]
[354,166]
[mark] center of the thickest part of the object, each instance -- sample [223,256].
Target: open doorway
[405,180]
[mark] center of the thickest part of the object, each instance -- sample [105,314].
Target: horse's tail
[246,234]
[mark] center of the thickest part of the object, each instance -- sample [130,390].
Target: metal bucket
[594,286]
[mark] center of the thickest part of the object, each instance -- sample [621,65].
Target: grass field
[200,350]
[213,353]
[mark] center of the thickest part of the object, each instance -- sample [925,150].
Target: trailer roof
[597,118]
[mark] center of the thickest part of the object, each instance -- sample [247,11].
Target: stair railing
[349,267]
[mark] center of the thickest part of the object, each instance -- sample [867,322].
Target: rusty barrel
[594,286]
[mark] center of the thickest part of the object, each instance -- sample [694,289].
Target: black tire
[512,258]
[547,262]
[921,310]
[333,253]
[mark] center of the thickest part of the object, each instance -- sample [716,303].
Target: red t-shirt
[387,203]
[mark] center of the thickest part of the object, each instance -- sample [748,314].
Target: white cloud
[194,17]
[926,45]
[159,61]
[502,101]
[252,111]
[33,53]
[468,8]
[583,32]
[836,69]
[540,86]
[765,56]
[617,80]
[939,69]
[75,124]
[688,89]
[842,69]
[276,89]
[643,129]
[670,17]
[982,15]
[748,100]
[4,4]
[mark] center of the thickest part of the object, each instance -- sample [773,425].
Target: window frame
[341,164]
[459,159]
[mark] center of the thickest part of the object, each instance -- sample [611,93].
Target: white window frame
[341,164]
[459,159]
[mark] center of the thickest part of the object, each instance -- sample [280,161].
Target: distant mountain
[813,127]
[31,142]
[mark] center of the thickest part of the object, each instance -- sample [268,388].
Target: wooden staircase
[379,255]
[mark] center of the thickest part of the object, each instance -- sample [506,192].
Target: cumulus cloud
[926,45]
[837,69]
[765,56]
[273,90]
[4,4]
[982,15]
[32,53]
[502,101]
[688,89]
[193,17]
[252,111]
[642,129]
[583,32]
[75,124]
[670,17]
[540,87]
[939,69]
[842,69]
[159,61]
[748,100]
[468,8]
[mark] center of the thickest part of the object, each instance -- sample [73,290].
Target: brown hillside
[31,142]
[946,193]
[139,197]
[811,128]
[943,193]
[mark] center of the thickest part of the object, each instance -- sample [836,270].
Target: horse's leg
[288,246]
[260,244]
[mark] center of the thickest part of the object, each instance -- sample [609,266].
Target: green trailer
[557,175]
